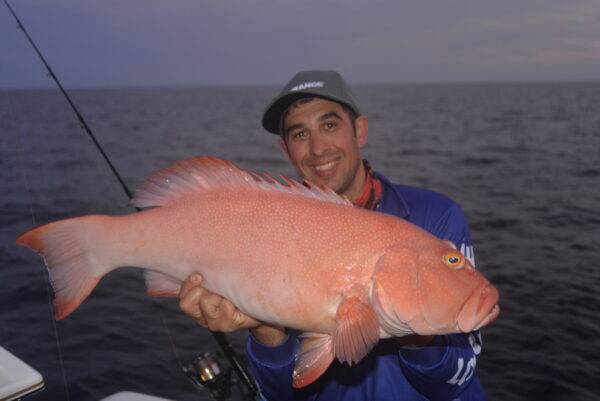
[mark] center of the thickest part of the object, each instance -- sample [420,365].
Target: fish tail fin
[73,268]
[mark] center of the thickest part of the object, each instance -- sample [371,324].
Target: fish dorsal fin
[200,174]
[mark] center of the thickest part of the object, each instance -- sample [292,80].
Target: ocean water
[522,159]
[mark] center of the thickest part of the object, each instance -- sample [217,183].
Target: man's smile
[326,169]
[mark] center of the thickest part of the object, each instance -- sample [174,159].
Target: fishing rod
[219,337]
[79,116]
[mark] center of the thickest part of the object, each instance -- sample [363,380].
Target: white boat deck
[17,379]
[131,396]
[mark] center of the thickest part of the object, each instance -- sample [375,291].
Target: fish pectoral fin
[357,331]
[161,285]
[313,358]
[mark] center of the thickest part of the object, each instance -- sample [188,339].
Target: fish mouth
[480,310]
[489,318]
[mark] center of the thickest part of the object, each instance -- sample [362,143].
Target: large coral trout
[282,252]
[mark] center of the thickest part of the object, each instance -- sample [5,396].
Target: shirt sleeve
[452,225]
[272,367]
[448,377]
[445,368]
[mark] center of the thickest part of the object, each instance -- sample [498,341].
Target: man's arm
[445,367]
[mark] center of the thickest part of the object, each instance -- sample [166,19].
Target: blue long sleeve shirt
[444,369]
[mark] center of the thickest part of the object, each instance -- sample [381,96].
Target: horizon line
[257,85]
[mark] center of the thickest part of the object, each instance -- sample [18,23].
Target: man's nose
[318,144]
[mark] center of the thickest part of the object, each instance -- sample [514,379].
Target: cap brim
[272,115]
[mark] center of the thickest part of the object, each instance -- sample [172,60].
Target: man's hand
[211,310]
[219,314]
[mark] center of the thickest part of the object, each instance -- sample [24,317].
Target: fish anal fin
[313,359]
[161,285]
[357,331]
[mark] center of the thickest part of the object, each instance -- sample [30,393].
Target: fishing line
[220,338]
[34,222]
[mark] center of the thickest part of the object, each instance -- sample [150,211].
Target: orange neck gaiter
[372,192]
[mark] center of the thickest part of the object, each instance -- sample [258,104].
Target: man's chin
[334,187]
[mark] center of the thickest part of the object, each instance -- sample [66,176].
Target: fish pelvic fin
[357,331]
[200,174]
[74,271]
[313,359]
[161,285]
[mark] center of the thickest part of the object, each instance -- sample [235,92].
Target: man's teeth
[324,167]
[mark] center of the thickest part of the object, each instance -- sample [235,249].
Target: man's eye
[330,125]
[299,135]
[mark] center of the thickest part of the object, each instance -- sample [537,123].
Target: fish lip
[489,318]
[484,312]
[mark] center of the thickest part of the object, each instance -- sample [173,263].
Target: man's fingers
[190,304]
[211,310]
[210,305]
[238,319]
[192,281]
[222,315]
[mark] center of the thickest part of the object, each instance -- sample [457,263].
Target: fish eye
[454,260]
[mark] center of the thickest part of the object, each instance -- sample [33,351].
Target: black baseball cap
[325,84]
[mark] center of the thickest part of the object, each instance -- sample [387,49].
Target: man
[321,132]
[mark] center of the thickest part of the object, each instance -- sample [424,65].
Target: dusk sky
[200,42]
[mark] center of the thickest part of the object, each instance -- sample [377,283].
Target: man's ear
[362,130]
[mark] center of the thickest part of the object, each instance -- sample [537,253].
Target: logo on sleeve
[468,252]
[464,372]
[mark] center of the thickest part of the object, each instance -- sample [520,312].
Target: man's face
[324,146]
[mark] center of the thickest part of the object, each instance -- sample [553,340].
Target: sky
[91,43]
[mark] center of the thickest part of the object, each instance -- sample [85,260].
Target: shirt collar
[392,201]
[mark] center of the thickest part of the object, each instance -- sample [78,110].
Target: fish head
[431,290]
